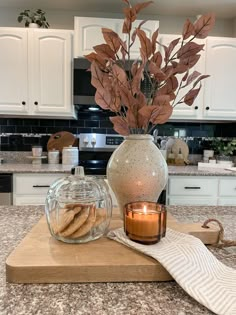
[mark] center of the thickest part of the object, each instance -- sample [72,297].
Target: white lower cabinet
[201,190]
[32,188]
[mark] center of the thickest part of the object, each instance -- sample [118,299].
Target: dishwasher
[5,189]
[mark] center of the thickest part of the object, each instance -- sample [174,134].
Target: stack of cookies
[76,220]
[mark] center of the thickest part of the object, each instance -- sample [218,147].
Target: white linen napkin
[193,267]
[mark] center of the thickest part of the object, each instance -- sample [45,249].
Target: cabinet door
[13,71]
[219,100]
[183,110]
[88,33]
[50,76]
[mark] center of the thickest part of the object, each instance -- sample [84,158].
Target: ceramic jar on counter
[70,155]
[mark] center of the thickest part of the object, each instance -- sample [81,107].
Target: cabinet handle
[196,107]
[35,103]
[194,187]
[41,186]
[23,103]
[207,108]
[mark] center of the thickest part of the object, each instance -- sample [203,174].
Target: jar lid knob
[79,171]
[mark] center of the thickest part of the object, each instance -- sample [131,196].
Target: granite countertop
[101,298]
[59,168]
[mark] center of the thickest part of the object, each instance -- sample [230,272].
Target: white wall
[65,20]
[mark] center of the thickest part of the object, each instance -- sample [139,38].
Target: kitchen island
[188,170]
[102,298]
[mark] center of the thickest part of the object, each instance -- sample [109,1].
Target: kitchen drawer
[33,184]
[22,200]
[229,201]
[227,187]
[183,201]
[192,186]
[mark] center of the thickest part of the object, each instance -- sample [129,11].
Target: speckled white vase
[137,170]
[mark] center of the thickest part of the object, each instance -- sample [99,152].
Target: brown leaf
[102,98]
[127,98]
[96,58]
[190,61]
[161,100]
[131,119]
[172,83]
[200,78]
[193,76]
[188,29]
[104,51]
[191,95]
[154,40]
[126,26]
[162,115]
[136,81]
[180,68]
[146,45]
[140,100]
[133,36]
[156,71]
[112,39]
[120,75]
[140,6]
[120,125]
[157,58]
[204,25]
[189,49]
[99,78]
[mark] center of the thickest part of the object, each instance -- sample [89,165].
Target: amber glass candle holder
[145,222]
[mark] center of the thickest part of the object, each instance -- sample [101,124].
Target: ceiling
[223,8]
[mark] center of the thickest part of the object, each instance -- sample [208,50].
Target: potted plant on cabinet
[33,18]
[223,149]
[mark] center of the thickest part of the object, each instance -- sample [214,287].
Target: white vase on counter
[137,171]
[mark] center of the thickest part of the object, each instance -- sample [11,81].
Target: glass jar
[78,208]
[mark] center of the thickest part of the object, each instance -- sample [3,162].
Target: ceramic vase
[137,171]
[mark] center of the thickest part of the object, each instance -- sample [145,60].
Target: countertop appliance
[6,189]
[95,150]
[83,91]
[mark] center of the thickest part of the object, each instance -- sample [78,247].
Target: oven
[95,151]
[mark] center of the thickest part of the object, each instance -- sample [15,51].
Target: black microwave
[84,92]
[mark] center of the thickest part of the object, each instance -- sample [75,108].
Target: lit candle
[144,222]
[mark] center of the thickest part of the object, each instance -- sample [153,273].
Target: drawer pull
[189,187]
[41,186]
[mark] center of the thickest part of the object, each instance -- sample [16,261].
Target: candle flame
[145,209]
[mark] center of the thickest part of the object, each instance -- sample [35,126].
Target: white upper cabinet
[13,71]
[219,100]
[88,33]
[36,72]
[183,110]
[50,72]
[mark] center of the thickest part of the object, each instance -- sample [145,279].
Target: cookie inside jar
[78,208]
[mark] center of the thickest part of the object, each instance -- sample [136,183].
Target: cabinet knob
[35,103]
[23,103]
[196,107]
[207,108]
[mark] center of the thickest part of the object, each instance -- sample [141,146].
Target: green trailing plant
[222,147]
[167,69]
[37,17]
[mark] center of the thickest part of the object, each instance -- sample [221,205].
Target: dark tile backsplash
[28,132]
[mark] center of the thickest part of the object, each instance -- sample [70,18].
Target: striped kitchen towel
[193,267]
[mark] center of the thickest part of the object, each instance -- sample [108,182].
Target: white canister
[70,155]
[53,157]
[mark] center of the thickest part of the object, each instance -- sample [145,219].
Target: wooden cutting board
[39,258]
[60,140]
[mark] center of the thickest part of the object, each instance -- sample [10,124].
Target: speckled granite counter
[34,168]
[59,168]
[101,298]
